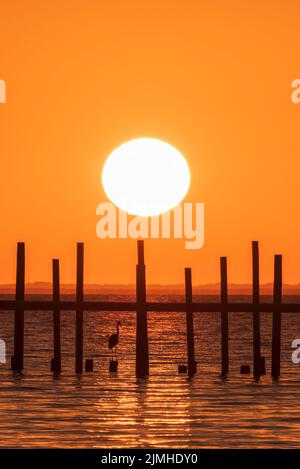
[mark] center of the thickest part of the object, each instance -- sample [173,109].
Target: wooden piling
[276,325]
[189,322]
[17,361]
[56,317]
[142,354]
[224,317]
[79,311]
[256,312]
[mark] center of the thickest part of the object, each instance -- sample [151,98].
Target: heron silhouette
[113,341]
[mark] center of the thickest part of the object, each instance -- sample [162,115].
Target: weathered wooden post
[224,317]
[256,312]
[189,322]
[17,359]
[56,361]
[79,311]
[276,325]
[142,354]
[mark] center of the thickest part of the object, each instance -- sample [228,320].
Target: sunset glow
[212,79]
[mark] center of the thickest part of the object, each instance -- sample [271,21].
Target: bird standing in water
[113,341]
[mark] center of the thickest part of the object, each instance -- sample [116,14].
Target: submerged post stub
[245,369]
[113,366]
[262,365]
[89,365]
[182,369]
[55,366]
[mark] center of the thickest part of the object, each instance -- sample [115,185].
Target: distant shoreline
[98,289]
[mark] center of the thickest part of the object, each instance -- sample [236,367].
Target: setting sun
[146,177]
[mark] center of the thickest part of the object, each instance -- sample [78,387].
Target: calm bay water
[100,409]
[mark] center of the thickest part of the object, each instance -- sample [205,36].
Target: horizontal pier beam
[48,305]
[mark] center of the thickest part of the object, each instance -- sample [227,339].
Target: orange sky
[212,78]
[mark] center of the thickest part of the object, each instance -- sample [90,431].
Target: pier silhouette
[141,306]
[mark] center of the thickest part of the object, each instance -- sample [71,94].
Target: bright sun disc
[146,177]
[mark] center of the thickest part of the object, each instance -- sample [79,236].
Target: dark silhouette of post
[56,367]
[276,325]
[189,322]
[79,311]
[224,317]
[256,312]
[17,360]
[142,354]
